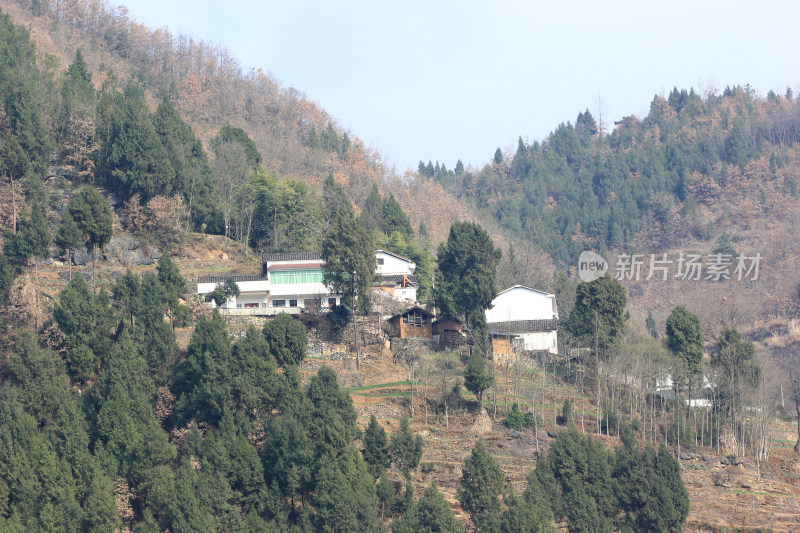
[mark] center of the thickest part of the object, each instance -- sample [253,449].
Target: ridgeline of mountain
[133,407]
[698,174]
[294,136]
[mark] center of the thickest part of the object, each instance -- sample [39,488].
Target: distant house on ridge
[527,314]
[394,275]
[288,283]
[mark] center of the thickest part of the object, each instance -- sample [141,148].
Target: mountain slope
[295,137]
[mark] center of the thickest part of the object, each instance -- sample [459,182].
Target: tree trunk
[94,271]
[14,205]
[796,395]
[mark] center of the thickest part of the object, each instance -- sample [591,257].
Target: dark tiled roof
[524,326]
[395,279]
[223,279]
[415,308]
[304,256]
[447,317]
[395,255]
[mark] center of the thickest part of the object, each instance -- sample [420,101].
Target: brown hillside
[210,88]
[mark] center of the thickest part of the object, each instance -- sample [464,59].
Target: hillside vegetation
[127,405]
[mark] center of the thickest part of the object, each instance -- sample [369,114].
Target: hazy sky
[455,80]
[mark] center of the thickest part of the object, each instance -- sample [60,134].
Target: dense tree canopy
[287,339]
[467,268]
[481,485]
[92,215]
[599,313]
[430,513]
[685,338]
[349,258]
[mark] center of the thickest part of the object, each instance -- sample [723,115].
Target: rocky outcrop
[121,250]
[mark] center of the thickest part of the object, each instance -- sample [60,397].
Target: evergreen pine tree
[347,249]
[376,448]
[230,133]
[78,314]
[173,283]
[135,159]
[481,485]
[477,378]
[92,214]
[31,240]
[406,448]
[371,216]
[68,236]
[344,496]
[385,491]
[466,284]
[650,324]
[202,381]
[288,457]
[193,177]
[528,513]
[431,513]
[394,219]
[287,339]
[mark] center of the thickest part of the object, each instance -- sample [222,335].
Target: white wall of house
[300,295]
[540,341]
[388,263]
[405,293]
[522,303]
[251,293]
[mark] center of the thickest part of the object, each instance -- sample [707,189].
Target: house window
[380,260]
[292,303]
[331,302]
[289,277]
[238,306]
[414,318]
[278,303]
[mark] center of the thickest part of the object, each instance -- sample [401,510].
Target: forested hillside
[126,404]
[640,183]
[294,136]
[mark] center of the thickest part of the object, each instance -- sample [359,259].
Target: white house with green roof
[288,283]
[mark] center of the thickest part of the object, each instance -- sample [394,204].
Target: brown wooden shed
[449,330]
[411,323]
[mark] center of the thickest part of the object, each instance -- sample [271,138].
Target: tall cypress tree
[92,214]
[31,240]
[347,249]
[466,284]
[371,216]
[431,513]
[376,448]
[135,159]
[576,476]
[78,314]
[394,219]
[481,485]
[406,448]
[685,340]
[203,379]
[193,177]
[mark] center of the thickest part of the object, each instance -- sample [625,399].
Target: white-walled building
[529,314]
[292,282]
[288,284]
[395,275]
